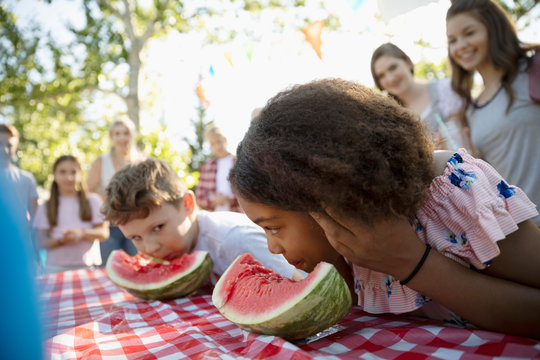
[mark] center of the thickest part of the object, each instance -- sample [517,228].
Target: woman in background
[434,102]
[123,151]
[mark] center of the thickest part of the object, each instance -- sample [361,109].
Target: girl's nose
[274,246]
[460,42]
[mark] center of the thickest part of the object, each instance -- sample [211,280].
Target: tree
[46,113]
[519,9]
[45,87]
[198,154]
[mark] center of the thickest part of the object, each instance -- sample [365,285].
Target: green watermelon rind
[322,304]
[180,285]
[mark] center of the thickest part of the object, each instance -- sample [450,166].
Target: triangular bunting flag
[313,35]
[200,93]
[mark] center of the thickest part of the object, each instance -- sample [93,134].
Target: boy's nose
[151,248]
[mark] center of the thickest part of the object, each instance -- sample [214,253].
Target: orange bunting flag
[313,35]
[200,93]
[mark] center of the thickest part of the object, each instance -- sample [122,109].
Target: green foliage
[156,144]
[196,147]
[519,9]
[430,71]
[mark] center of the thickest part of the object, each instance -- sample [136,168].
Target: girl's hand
[390,246]
[440,142]
[72,235]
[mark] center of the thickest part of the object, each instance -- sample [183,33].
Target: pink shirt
[81,253]
[467,210]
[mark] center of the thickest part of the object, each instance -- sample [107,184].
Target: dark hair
[85,212]
[337,143]
[139,187]
[504,50]
[388,49]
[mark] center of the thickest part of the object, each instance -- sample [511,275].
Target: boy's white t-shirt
[226,235]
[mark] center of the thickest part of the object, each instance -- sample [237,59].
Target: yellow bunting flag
[313,35]
[228,56]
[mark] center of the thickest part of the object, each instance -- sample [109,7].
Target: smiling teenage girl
[504,122]
[434,102]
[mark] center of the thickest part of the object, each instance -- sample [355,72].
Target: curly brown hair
[138,188]
[335,143]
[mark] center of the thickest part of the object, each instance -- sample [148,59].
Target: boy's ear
[189,202]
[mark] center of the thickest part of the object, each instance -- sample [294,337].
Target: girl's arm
[46,241]
[504,297]
[489,302]
[94,176]
[98,232]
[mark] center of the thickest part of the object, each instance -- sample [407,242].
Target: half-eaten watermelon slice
[259,299]
[154,279]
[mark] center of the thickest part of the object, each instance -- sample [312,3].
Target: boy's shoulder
[224,219]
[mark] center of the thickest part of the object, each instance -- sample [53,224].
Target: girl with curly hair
[503,120]
[335,172]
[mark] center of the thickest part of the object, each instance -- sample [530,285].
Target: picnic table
[89,317]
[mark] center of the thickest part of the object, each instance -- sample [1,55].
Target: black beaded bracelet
[418,266]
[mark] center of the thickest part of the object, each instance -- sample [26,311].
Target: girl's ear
[189,202]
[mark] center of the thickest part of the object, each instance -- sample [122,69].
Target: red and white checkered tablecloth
[88,317]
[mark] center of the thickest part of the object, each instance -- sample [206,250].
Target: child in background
[69,225]
[504,121]
[20,183]
[152,206]
[213,190]
[335,172]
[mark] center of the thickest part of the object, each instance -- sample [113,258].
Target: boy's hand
[390,246]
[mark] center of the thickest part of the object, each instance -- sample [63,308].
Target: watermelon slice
[265,302]
[149,278]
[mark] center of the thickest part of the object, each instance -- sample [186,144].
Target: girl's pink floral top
[468,209]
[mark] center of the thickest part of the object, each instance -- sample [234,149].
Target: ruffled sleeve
[469,208]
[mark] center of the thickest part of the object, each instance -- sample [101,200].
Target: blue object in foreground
[20,323]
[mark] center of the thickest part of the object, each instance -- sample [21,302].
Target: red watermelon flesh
[149,278]
[251,280]
[148,270]
[259,299]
